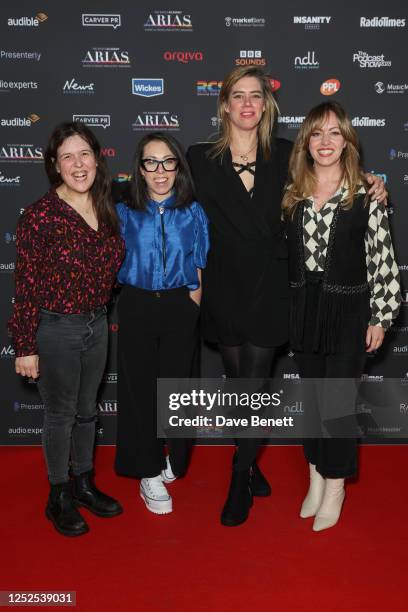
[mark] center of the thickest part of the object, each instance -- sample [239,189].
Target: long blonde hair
[302,179]
[269,115]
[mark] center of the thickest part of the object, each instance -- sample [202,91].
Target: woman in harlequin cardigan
[68,253]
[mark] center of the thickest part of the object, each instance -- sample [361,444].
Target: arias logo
[330,87]
[275,84]
[106,57]
[168,21]
[108,407]
[183,57]
[162,120]
[250,57]
[21,153]
[208,88]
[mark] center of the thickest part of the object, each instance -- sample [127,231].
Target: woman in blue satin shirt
[166,237]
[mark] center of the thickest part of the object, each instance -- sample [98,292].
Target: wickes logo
[147,88]
[183,56]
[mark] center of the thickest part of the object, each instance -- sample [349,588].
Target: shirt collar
[167,203]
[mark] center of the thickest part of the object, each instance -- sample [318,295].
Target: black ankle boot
[239,500]
[87,495]
[260,487]
[62,511]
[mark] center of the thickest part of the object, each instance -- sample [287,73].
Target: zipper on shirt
[161,211]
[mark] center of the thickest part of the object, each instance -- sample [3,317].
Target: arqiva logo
[183,56]
[330,87]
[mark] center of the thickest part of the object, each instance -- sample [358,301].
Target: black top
[245,284]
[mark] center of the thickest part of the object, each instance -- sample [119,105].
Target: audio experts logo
[330,87]
[245,22]
[147,88]
[102,20]
[106,57]
[6,86]
[365,60]
[27,22]
[250,57]
[160,120]
[311,23]
[390,88]
[168,21]
[21,153]
[102,121]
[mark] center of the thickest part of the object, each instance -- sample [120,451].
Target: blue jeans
[72,351]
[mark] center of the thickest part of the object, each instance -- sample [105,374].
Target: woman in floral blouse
[68,253]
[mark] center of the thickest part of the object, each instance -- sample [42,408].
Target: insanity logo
[102,121]
[292,122]
[162,120]
[250,57]
[106,57]
[311,23]
[208,88]
[147,88]
[27,22]
[102,20]
[72,87]
[245,22]
[168,21]
[9,181]
[184,57]
[20,121]
[307,62]
[390,88]
[365,60]
[21,153]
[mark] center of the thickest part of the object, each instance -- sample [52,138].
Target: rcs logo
[208,88]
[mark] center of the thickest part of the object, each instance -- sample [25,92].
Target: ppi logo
[330,87]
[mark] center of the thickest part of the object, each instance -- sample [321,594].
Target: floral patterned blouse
[63,265]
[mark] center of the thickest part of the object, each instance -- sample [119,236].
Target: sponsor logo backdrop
[126,68]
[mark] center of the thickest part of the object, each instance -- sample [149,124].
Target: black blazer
[245,284]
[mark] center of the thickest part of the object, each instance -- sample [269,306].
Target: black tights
[247,361]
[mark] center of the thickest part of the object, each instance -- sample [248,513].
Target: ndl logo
[307,62]
[147,88]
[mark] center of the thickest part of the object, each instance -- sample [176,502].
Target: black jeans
[72,351]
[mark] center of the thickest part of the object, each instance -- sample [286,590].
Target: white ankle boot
[313,499]
[329,511]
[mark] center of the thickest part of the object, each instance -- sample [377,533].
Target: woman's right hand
[28,366]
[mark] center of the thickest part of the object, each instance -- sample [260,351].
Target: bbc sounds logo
[250,57]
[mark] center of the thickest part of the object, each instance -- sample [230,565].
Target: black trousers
[157,337]
[333,457]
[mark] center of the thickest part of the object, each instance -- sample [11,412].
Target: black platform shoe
[87,495]
[239,500]
[61,510]
[260,487]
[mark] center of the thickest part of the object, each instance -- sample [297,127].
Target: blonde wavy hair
[302,179]
[269,115]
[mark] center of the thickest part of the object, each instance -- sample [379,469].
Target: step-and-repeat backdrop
[125,68]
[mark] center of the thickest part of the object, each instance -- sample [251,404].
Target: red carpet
[187,561]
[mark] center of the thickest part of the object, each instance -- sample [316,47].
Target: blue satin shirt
[164,245]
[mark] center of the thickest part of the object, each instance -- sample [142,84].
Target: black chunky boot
[87,495]
[62,512]
[260,487]
[239,500]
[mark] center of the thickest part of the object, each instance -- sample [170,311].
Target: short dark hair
[183,185]
[101,188]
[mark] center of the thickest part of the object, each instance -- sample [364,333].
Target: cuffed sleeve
[202,240]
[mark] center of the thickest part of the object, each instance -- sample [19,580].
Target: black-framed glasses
[152,165]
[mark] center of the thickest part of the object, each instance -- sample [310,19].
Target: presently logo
[110,378]
[250,57]
[20,121]
[147,87]
[72,87]
[168,21]
[9,238]
[245,22]
[21,153]
[208,88]
[106,57]
[390,88]
[308,61]
[365,60]
[108,407]
[291,121]
[9,181]
[394,154]
[162,120]
[381,22]
[17,406]
[367,122]
[101,19]
[311,23]
[108,152]
[330,87]
[183,57]
[20,55]
[102,121]
[7,352]
[27,22]
[18,85]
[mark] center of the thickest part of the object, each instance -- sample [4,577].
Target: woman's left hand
[377,190]
[374,337]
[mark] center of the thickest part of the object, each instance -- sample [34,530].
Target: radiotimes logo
[34,56]
[73,87]
[311,22]
[27,22]
[381,22]
[101,20]
[147,88]
[21,153]
[395,154]
[183,57]
[390,88]
[6,86]
[168,21]
[106,57]
[208,88]
[292,122]
[307,62]
[330,87]
[368,122]
[9,181]
[365,60]
[20,121]
[245,22]
[160,120]
[102,121]
[250,57]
